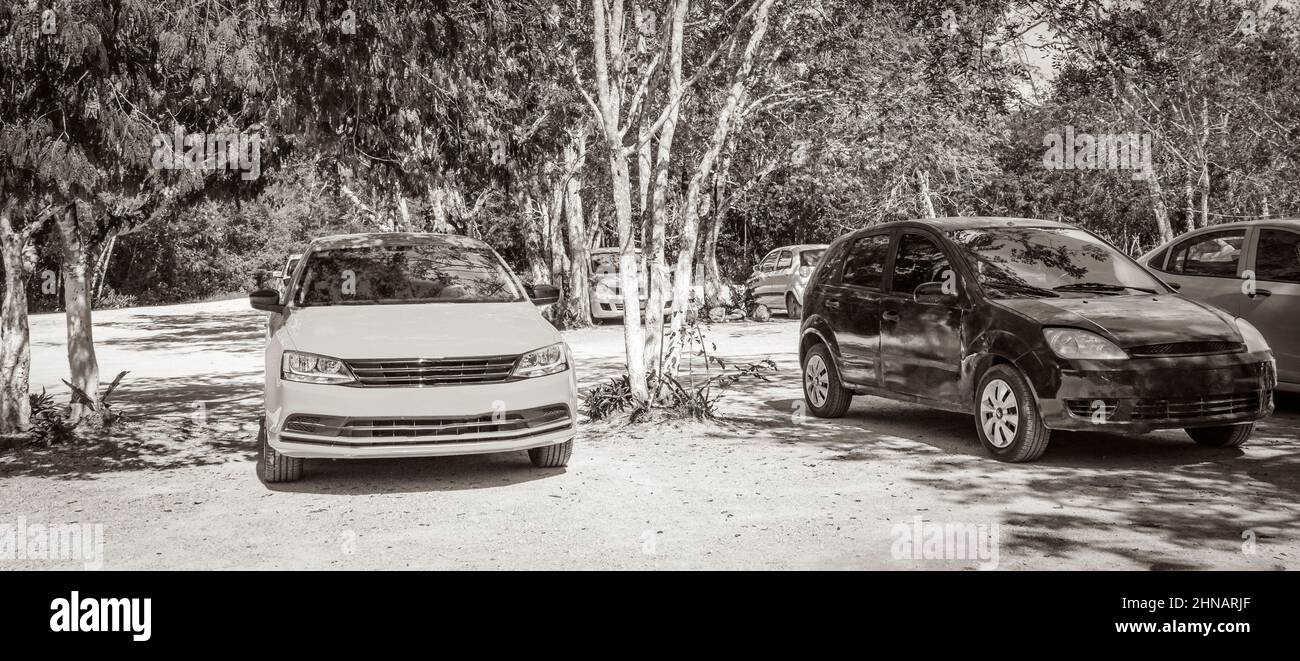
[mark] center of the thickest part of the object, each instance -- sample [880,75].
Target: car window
[865,264]
[1216,254]
[1158,261]
[398,274]
[1277,258]
[919,260]
[1049,262]
[831,266]
[810,257]
[605,262]
[784,260]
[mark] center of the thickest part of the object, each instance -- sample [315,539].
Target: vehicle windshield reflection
[1050,262]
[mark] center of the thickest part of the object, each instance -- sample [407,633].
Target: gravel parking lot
[767,488]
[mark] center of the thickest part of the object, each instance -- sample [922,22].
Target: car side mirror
[266,300]
[543,294]
[932,292]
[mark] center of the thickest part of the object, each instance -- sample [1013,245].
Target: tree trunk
[579,246]
[690,217]
[607,42]
[533,233]
[709,256]
[82,364]
[656,248]
[15,347]
[1158,207]
[923,185]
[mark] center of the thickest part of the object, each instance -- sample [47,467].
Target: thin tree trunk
[607,45]
[656,249]
[1158,206]
[923,186]
[15,336]
[575,155]
[83,367]
[690,217]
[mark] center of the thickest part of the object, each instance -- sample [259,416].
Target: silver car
[1250,269]
[779,279]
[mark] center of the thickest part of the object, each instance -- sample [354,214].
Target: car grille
[418,372]
[1190,408]
[1186,349]
[1087,408]
[490,426]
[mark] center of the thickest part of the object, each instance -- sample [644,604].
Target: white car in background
[1249,269]
[607,292]
[779,278]
[411,345]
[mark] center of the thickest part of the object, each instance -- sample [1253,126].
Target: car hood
[428,330]
[1132,321]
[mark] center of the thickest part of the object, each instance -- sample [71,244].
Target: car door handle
[889,315]
[832,302]
[1260,292]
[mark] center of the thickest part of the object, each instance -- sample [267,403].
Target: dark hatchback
[1029,325]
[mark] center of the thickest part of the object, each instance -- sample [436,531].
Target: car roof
[800,247]
[393,239]
[1292,222]
[972,222]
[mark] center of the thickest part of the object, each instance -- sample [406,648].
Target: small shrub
[49,422]
[606,399]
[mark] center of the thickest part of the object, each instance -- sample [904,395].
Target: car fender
[817,329]
[995,345]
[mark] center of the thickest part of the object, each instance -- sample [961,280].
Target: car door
[1275,307]
[779,279]
[757,282]
[1207,267]
[920,342]
[853,307]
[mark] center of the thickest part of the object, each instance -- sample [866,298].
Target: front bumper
[1140,395]
[340,422]
[613,309]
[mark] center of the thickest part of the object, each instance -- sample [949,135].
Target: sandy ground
[769,489]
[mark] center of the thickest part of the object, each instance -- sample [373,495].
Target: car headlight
[1254,339]
[311,368]
[1080,344]
[547,360]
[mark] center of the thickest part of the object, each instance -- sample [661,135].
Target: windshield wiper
[1100,287]
[1014,287]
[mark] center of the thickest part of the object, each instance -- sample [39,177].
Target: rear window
[810,257]
[397,274]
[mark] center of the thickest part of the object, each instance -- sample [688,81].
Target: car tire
[1223,436]
[552,456]
[823,391]
[792,308]
[1007,419]
[273,466]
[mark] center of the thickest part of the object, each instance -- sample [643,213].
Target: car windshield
[394,274]
[810,257]
[1049,262]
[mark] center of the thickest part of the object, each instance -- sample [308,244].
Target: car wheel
[1007,418]
[273,466]
[552,456]
[825,395]
[792,308]
[1225,436]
